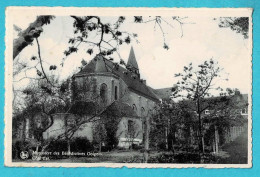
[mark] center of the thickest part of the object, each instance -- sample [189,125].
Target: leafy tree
[99,134]
[106,127]
[164,125]
[195,86]
[38,100]
[171,118]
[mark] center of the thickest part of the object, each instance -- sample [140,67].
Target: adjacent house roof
[102,65]
[163,93]
[244,97]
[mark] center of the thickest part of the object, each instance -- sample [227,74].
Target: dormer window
[207,112]
[133,76]
[244,111]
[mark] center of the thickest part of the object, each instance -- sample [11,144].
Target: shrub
[187,158]
[162,146]
[137,147]
[58,145]
[163,158]
[81,144]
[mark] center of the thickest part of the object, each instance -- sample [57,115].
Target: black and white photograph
[134,87]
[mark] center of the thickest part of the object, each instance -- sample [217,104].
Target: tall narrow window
[80,83]
[115,92]
[103,92]
[142,111]
[134,107]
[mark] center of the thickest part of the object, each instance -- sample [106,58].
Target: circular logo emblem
[24,155]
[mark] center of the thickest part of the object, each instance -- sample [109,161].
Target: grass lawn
[236,151]
[232,153]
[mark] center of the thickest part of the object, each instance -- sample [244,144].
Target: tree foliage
[237,24]
[109,36]
[197,83]
[195,86]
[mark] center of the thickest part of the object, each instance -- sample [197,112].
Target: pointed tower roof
[132,60]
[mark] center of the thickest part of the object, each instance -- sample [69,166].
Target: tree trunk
[203,144]
[66,133]
[213,146]
[23,137]
[216,139]
[27,36]
[201,139]
[166,138]
[27,128]
[100,146]
[146,142]
[68,146]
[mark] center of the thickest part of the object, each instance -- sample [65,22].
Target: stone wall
[125,139]
[95,82]
[59,127]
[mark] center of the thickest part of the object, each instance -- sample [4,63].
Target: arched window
[150,112]
[103,92]
[134,107]
[80,83]
[142,111]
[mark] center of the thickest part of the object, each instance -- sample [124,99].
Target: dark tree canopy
[237,24]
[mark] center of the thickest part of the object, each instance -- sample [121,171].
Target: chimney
[144,81]
[237,92]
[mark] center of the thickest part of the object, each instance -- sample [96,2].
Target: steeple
[132,60]
[132,65]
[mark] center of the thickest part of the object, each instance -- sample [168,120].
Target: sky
[202,39]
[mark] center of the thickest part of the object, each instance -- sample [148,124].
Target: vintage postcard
[134,87]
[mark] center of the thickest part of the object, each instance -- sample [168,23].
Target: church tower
[132,63]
